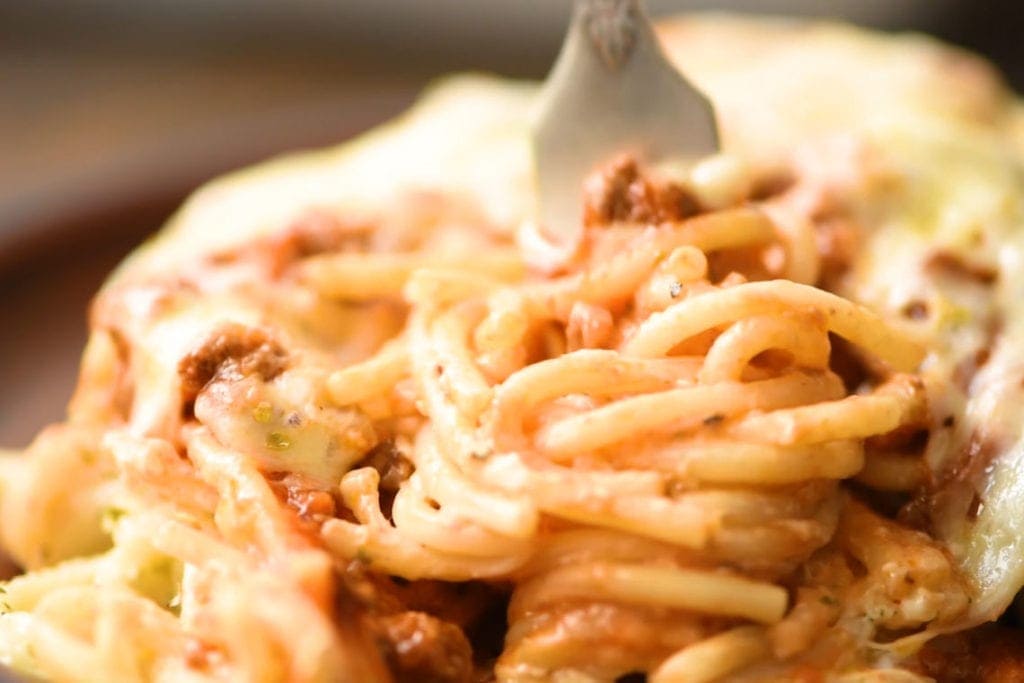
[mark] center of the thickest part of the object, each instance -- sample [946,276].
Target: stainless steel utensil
[611,90]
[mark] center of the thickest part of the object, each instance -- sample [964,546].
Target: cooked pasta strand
[711,659]
[852,321]
[701,591]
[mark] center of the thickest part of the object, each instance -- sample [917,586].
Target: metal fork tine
[611,90]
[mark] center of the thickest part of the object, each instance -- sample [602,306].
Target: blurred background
[112,110]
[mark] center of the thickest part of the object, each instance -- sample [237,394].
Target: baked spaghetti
[353,416]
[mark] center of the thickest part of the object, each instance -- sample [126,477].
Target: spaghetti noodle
[418,447]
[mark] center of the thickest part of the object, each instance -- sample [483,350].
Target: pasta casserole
[355,416]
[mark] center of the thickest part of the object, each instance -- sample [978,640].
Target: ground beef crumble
[620,192]
[420,627]
[232,351]
[988,654]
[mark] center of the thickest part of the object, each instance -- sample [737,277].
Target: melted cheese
[937,172]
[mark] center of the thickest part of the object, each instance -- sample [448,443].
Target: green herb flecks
[277,441]
[263,412]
